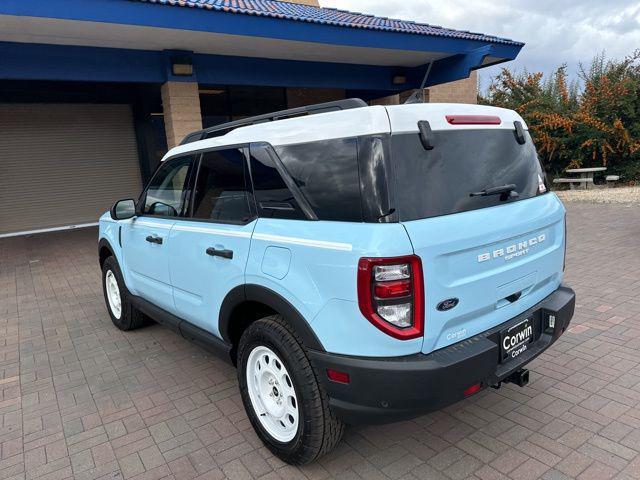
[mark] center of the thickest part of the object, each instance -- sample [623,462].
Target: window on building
[215,106]
[221,188]
[166,192]
[273,197]
[223,104]
[251,101]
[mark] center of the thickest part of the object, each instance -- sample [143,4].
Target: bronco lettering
[512,251]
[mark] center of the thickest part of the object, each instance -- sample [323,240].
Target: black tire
[130,318]
[319,431]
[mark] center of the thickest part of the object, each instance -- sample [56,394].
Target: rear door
[488,255]
[208,250]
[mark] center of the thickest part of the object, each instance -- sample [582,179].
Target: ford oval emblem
[448,304]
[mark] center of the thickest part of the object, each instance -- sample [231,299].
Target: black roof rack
[225,128]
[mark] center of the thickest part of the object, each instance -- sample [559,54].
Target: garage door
[64,165]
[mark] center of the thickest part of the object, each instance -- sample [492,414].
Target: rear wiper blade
[504,190]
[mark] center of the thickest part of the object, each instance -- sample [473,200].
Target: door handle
[219,253]
[154,239]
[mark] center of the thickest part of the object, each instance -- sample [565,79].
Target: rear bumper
[390,389]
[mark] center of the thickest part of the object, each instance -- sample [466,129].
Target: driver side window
[166,193]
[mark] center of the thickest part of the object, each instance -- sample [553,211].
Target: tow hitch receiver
[519,377]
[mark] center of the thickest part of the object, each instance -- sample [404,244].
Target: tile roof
[328,16]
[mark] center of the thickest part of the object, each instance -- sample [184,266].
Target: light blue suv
[357,264]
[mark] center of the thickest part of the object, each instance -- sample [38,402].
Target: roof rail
[223,129]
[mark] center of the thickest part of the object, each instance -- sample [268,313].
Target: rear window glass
[463,163]
[327,174]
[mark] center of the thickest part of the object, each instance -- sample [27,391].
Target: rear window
[463,163]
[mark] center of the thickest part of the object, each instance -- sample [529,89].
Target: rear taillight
[391,295]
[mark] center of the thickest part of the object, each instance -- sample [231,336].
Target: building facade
[93,92]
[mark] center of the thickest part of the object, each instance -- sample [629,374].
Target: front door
[145,240]
[208,250]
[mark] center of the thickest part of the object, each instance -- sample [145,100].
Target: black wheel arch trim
[104,243]
[275,301]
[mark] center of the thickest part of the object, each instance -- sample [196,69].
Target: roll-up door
[64,164]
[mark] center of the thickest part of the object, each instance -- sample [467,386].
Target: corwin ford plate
[514,341]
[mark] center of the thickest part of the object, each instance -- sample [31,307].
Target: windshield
[466,170]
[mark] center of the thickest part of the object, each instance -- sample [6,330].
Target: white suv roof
[353,122]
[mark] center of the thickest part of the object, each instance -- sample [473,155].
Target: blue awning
[258,42]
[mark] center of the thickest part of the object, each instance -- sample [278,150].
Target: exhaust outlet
[519,377]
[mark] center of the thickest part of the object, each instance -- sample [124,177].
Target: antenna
[418,95]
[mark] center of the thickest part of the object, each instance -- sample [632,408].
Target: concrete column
[460,91]
[182,115]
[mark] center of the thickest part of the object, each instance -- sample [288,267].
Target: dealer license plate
[514,341]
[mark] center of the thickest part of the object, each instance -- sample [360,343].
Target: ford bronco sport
[357,264]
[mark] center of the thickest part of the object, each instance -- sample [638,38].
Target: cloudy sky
[555,31]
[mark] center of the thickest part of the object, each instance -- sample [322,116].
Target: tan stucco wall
[460,91]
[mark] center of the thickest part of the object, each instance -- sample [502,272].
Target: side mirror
[123,209]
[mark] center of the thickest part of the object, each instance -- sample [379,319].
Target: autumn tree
[597,124]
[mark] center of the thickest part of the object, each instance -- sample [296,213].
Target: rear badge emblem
[447,304]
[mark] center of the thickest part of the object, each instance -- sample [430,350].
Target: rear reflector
[399,288]
[473,120]
[473,389]
[338,377]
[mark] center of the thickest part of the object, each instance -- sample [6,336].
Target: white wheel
[272,394]
[113,294]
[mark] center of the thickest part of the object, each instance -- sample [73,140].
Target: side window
[221,188]
[327,174]
[272,195]
[166,192]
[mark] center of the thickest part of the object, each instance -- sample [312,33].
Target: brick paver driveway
[80,399]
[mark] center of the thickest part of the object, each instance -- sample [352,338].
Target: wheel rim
[273,396]
[113,294]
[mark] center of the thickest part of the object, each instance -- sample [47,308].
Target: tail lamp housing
[391,295]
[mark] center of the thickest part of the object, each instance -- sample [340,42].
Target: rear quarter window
[273,196]
[326,172]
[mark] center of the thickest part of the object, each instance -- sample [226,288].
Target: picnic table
[585,179]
